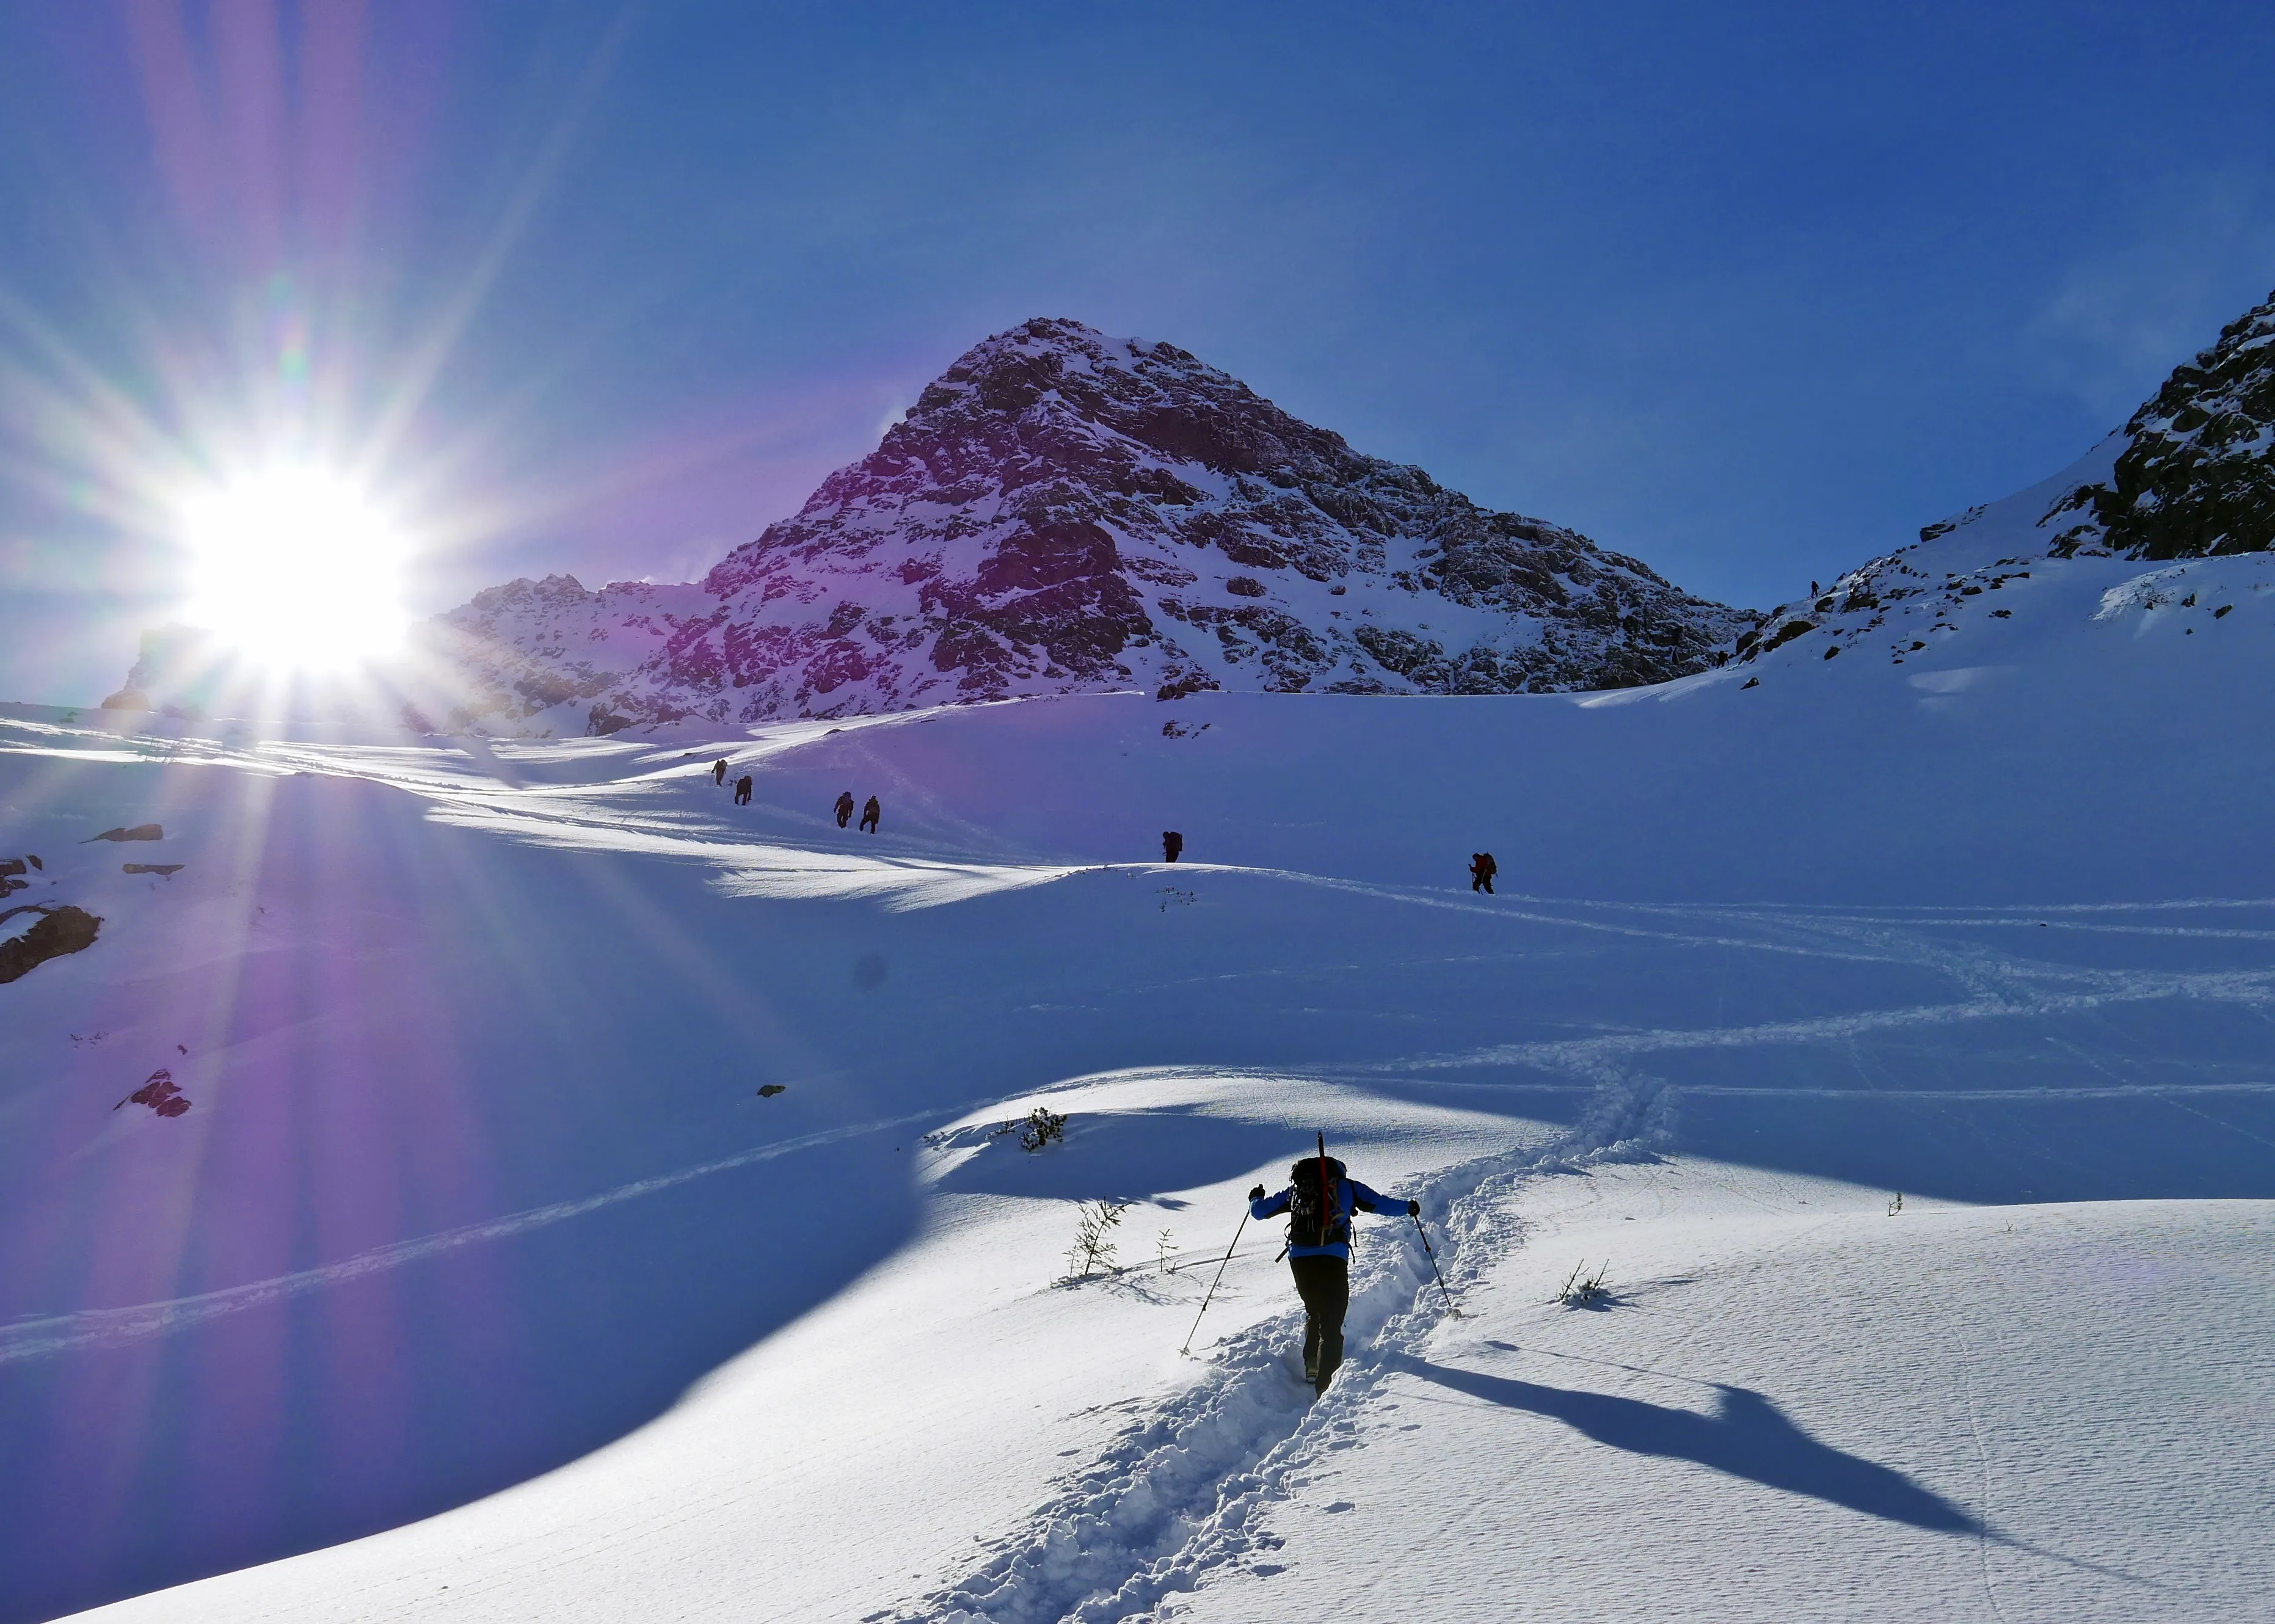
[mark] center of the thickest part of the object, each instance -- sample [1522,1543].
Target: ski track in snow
[1178,1495]
[34,1339]
[1581,1055]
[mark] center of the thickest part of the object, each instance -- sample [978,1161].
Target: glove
[1257,1194]
[1414,1209]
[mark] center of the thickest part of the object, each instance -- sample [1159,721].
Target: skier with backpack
[1320,1200]
[844,808]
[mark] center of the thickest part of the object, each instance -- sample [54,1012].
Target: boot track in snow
[1178,1495]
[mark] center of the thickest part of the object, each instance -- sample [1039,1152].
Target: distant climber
[844,808]
[1320,1200]
[1172,845]
[742,791]
[719,771]
[870,815]
[1482,870]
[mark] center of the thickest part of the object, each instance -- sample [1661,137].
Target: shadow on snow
[1747,1436]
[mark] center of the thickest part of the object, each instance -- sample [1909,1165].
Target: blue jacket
[1354,1195]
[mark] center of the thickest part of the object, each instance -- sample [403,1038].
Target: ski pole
[1206,1301]
[1432,1255]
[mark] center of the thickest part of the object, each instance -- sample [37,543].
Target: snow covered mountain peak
[1061,511]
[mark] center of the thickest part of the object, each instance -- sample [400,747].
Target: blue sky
[1749,292]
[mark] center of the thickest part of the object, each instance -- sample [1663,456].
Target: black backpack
[1315,1205]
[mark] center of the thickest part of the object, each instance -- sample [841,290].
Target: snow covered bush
[1581,1289]
[1041,1127]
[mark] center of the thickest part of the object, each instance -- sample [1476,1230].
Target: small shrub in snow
[1093,1238]
[1162,1250]
[1897,1205]
[1037,1128]
[1581,1289]
[1041,1127]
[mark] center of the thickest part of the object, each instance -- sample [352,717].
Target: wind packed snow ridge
[1178,1495]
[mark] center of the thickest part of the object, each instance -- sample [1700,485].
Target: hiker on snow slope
[1320,1200]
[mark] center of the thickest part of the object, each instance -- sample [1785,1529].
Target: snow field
[479,1262]
[1797,1406]
[895,1438]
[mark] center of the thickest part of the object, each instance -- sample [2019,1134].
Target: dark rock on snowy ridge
[1062,512]
[2198,475]
[2190,475]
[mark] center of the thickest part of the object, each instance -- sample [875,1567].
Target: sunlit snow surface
[477,1217]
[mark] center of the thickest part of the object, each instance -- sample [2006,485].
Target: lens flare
[296,568]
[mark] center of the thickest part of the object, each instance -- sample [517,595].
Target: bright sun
[296,568]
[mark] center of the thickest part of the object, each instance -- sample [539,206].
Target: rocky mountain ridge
[2191,475]
[1060,512]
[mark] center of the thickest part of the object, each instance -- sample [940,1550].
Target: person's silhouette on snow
[844,808]
[719,771]
[1172,845]
[1320,1200]
[870,815]
[1482,870]
[742,791]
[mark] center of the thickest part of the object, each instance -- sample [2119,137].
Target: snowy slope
[1064,512]
[490,1180]
[477,1218]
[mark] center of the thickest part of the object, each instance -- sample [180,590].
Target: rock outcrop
[55,933]
[2197,473]
[2190,475]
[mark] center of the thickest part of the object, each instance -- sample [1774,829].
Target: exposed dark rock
[165,870]
[141,831]
[2198,474]
[60,929]
[159,1093]
[1748,649]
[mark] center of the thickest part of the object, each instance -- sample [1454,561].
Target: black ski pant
[1324,1283]
[1482,882]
